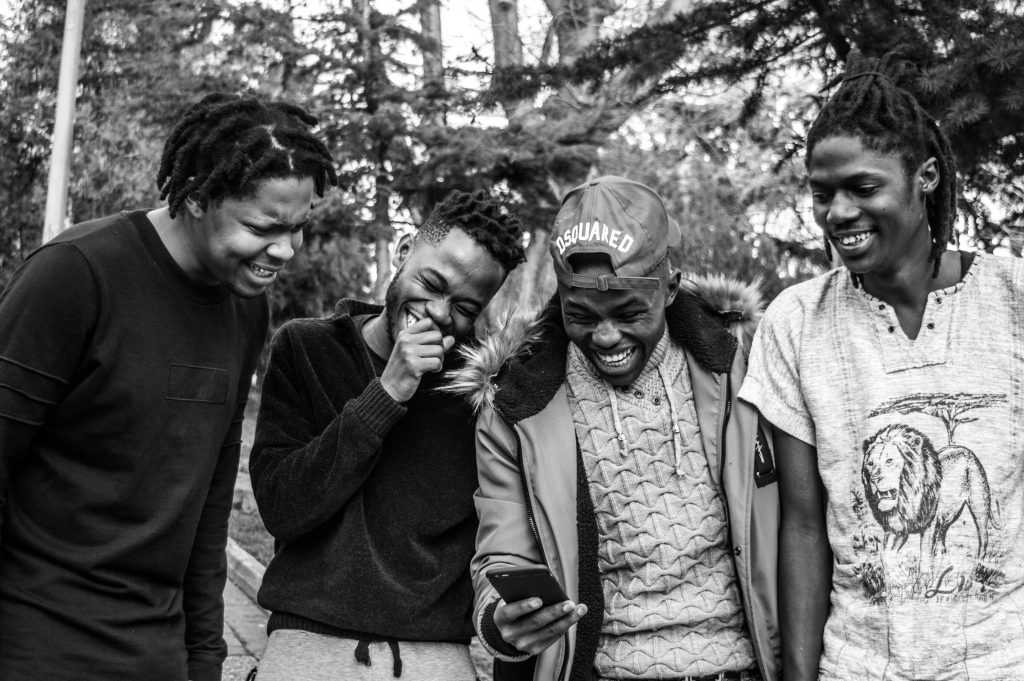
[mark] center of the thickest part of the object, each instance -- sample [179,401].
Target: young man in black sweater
[364,472]
[127,347]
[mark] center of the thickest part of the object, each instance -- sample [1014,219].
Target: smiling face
[241,243]
[618,329]
[450,282]
[870,208]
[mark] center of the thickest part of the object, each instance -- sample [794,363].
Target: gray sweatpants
[293,655]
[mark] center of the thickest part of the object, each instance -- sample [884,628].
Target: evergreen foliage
[406,130]
[970,72]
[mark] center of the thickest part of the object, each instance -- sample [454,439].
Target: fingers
[425,345]
[424,326]
[532,628]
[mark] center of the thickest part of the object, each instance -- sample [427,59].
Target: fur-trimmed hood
[518,367]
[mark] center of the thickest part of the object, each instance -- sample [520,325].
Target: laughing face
[243,242]
[617,330]
[870,208]
[450,283]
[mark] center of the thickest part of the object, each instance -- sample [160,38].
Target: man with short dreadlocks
[127,345]
[364,471]
[895,385]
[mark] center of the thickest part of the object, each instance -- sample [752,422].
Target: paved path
[245,623]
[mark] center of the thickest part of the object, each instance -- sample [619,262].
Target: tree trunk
[433,64]
[374,78]
[508,45]
[508,48]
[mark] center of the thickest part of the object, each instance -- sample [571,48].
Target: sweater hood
[518,367]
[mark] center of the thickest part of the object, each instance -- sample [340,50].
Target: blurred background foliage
[707,101]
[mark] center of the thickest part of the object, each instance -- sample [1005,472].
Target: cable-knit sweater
[672,606]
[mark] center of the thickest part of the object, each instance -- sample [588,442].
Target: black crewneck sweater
[370,501]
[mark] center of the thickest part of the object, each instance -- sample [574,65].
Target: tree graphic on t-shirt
[947,408]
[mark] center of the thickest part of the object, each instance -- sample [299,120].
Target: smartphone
[519,583]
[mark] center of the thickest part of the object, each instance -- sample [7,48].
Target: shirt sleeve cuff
[377,409]
[778,414]
[491,639]
[204,670]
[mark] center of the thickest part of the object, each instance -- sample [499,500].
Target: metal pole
[64,121]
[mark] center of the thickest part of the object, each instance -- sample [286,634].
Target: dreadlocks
[225,144]
[871,106]
[484,220]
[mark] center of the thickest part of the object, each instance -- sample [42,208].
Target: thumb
[447,343]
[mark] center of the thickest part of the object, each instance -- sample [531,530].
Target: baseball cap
[618,217]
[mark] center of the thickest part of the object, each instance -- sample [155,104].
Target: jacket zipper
[526,497]
[531,521]
[725,425]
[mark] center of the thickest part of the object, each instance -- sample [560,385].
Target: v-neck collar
[931,346]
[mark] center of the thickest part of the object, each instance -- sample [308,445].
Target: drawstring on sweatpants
[363,654]
[393,644]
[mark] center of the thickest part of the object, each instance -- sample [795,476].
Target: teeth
[854,239]
[260,271]
[618,359]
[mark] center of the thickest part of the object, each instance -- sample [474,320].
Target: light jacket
[535,508]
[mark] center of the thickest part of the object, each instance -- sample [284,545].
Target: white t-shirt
[920,450]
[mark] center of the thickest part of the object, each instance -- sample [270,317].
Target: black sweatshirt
[122,389]
[370,501]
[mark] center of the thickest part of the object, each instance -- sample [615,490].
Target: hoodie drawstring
[673,411]
[677,435]
[363,654]
[619,435]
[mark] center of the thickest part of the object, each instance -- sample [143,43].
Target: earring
[828,250]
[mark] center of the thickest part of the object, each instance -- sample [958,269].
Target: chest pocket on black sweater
[188,383]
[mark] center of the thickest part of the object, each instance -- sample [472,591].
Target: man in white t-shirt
[895,388]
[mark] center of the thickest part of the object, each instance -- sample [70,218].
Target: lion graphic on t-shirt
[913,489]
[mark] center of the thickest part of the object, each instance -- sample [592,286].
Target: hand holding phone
[535,612]
[519,583]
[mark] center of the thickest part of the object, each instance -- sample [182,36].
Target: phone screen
[519,583]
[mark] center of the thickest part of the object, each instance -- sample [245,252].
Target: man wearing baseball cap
[611,449]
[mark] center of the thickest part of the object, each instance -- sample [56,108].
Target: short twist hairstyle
[871,106]
[486,220]
[225,144]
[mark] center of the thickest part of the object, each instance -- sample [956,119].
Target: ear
[193,208]
[672,285]
[402,249]
[928,176]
